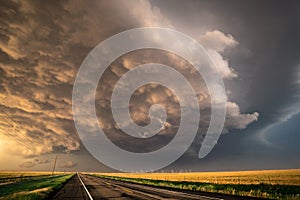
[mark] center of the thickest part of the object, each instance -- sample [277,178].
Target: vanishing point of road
[87,187]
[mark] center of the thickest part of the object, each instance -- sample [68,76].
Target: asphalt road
[83,186]
[73,189]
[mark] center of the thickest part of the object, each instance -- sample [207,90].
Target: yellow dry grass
[13,174]
[282,177]
[33,191]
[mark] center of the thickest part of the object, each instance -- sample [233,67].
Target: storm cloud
[42,45]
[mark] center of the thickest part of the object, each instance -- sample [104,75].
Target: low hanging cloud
[27,164]
[35,162]
[68,164]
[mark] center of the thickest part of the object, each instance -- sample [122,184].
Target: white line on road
[90,196]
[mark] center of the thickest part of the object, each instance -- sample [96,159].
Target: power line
[16,128]
[16,139]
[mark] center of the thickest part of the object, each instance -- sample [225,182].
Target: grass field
[9,177]
[276,184]
[283,177]
[30,185]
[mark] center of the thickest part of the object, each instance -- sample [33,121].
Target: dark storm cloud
[270,66]
[274,53]
[267,54]
[42,44]
[36,90]
[267,63]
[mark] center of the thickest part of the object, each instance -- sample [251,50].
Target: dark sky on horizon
[255,44]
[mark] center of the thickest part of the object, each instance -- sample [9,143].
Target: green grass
[274,191]
[10,177]
[35,188]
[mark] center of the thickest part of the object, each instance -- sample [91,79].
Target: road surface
[82,186]
[73,189]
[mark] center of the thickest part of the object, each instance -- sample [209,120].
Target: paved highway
[73,189]
[83,186]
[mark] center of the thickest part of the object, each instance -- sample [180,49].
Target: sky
[255,46]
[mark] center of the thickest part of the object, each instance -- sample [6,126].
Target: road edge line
[88,193]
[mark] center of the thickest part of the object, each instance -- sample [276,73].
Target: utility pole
[54,165]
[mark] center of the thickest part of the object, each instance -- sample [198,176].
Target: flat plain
[29,185]
[282,177]
[274,184]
